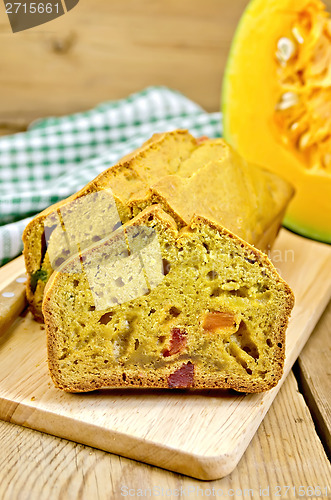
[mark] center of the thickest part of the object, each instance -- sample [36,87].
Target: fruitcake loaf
[184,175]
[156,306]
[244,198]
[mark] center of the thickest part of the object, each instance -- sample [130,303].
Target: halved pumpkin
[277,103]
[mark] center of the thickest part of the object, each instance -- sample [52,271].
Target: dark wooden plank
[314,369]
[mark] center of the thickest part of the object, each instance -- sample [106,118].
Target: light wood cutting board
[201,434]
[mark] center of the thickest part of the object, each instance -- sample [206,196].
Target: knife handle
[12,302]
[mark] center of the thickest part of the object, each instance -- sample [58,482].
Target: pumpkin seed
[326,160]
[294,126]
[285,49]
[297,35]
[304,140]
[287,100]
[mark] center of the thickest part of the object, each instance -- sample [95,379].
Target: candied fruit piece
[183,377]
[177,342]
[218,320]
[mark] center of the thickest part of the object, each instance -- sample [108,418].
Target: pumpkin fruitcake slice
[207,310]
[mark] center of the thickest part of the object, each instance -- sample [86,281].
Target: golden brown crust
[150,380]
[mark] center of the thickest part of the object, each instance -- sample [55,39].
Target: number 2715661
[32,8]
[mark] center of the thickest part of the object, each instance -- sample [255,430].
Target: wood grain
[12,302]
[212,429]
[11,270]
[12,282]
[108,49]
[284,451]
[315,376]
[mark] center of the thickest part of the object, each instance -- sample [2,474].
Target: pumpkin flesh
[277,103]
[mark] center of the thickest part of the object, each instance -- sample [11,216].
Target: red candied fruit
[183,377]
[177,342]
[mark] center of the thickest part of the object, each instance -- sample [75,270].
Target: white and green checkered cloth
[58,156]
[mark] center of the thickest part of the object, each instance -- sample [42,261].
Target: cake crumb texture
[215,316]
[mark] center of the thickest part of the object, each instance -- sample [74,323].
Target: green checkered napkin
[58,156]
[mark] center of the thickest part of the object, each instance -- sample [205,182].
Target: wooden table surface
[289,450]
[106,49]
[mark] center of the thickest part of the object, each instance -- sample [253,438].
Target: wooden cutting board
[201,434]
